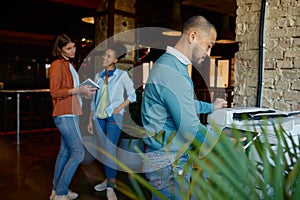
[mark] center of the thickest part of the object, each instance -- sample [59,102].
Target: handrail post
[18,118]
[18,107]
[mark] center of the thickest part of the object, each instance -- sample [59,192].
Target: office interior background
[28,29]
[29,138]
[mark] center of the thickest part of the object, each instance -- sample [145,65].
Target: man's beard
[198,56]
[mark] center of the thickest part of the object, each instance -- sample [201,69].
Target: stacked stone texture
[281,77]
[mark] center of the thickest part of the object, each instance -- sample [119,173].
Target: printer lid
[262,114]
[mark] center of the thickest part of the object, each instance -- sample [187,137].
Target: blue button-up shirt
[117,84]
[169,106]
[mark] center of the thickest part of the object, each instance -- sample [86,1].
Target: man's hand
[220,103]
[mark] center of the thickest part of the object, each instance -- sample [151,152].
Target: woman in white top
[108,108]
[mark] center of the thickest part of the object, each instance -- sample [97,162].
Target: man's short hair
[198,22]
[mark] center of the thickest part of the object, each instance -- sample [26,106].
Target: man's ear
[192,36]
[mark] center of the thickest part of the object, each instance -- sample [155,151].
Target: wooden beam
[93,4]
[14,37]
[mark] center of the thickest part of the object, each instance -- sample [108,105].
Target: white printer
[251,119]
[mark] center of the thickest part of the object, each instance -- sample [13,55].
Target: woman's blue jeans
[111,127]
[71,153]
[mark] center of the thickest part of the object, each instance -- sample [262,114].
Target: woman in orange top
[67,106]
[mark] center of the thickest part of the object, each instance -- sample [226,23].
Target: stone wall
[281,77]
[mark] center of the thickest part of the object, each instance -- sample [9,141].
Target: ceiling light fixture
[89,20]
[225,41]
[227,36]
[175,23]
[172,33]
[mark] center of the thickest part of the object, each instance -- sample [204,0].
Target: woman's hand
[90,127]
[87,91]
[121,106]
[116,111]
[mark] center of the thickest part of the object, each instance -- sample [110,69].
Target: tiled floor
[26,170]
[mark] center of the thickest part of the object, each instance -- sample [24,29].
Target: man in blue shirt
[169,110]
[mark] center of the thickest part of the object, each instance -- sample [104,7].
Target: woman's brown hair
[60,41]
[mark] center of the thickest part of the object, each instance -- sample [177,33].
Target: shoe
[61,197]
[52,196]
[101,186]
[111,195]
[71,195]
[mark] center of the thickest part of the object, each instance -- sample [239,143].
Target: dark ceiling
[28,27]
[42,17]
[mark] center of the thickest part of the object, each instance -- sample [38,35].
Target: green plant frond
[216,128]
[291,150]
[278,178]
[129,144]
[271,165]
[230,154]
[137,187]
[204,189]
[159,137]
[267,147]
[170,138]
[231,157]
[296,191]
[215,167]
[125,189]
[210,141]
[259,148]
[267,172]
[163,138]
[222,138]
[184,148]
[167,141]
[147,186]
[293,181]
[138,150]
[274,163]
[184,183]
[274,173]
[137,130]
[234,190]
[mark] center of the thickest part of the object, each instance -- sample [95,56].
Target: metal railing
[25,111]
[31,110]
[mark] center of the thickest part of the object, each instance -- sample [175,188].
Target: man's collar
[180,56]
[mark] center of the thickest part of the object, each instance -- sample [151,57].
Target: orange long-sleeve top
[61,81]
